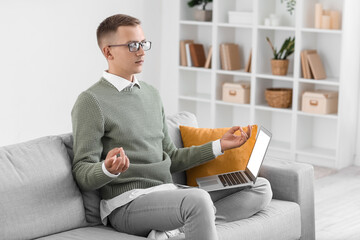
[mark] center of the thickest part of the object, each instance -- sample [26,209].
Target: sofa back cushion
[173,122]
[91,199]
[38,195]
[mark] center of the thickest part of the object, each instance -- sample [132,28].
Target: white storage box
[240,17]
[320,102]
[236,92]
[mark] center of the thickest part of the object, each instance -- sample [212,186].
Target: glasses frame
[129,45]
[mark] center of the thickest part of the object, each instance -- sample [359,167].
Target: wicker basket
[279,97]
[279,67]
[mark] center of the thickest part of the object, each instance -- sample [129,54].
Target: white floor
[337,205]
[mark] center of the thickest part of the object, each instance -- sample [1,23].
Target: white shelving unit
[297,136]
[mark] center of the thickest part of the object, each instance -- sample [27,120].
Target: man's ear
[107,53]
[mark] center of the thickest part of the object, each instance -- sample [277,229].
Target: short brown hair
[111,24]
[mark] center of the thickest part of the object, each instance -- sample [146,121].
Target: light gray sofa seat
[91,233]
[40,199]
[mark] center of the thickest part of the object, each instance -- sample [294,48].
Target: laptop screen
[258,152]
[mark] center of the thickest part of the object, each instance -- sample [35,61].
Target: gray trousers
[192,208]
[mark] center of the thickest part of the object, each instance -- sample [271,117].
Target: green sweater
[104,118]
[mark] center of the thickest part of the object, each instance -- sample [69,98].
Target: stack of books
[311,65]
[193,54]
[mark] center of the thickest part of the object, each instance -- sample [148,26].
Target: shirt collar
[119,82]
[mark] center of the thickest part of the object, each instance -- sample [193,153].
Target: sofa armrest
[293,182]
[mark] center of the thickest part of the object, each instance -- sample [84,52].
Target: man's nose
[140,52]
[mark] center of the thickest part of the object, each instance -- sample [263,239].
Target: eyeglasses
[135,46]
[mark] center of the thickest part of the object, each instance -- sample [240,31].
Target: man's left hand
[229,140]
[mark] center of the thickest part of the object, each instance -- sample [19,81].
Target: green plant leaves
[286,49]
[290,5]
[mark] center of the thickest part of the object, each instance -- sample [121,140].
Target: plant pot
[203,15]
[279,67]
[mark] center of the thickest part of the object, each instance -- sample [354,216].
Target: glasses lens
[146,45]
[134,46]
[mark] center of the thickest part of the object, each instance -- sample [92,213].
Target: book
[248,64]
[197,54]
[305,63]
[208,58]
[316,66]
[188,57]
[183,60]
[229,53]
[224,64]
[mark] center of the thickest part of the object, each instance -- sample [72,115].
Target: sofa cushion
[92,233]
[173,123]
[38,195]
[91,199]
[280,220]
[232,160]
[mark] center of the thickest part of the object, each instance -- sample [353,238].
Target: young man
[122,147]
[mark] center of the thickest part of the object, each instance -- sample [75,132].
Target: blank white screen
[258,152]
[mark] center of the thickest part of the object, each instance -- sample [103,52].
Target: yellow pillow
[232,160]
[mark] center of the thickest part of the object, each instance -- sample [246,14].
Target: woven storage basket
[279,97]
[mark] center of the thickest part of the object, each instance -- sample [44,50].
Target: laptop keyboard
[230,179]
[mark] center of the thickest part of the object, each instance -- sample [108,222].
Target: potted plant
[279,64]
[201,14]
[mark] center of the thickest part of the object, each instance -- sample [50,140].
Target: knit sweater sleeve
[88,129]
[185,158]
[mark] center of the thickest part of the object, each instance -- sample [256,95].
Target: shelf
[231,25]
[318,30]
[279,28]
[272,109]
[232,104]
[199,97]
[328,81]
[195,69]
[235,72]
[196,23]
[288,77]
[328,116]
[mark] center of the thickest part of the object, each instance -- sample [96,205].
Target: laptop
[244,178]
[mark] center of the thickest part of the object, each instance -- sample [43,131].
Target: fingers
[113,152]
[117,163]
[234,129]
[244,134]
[249,130]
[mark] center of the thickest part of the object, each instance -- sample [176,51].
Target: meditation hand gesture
[116,161]
[229,140]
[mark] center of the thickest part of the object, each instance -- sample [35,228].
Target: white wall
[170,56]
[351,44]
[48,55]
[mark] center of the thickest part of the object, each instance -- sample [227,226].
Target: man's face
[121,61]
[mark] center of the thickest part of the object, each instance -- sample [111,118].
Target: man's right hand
[116,164]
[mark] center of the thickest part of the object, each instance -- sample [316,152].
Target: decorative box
[236,92]
[320,102]
[240,17]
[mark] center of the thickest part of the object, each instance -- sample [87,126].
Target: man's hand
[230,140]
[116,161]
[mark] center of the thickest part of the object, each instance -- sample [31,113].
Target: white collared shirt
[119,82]
[107,206]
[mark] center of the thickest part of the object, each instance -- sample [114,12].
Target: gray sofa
[40,199]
